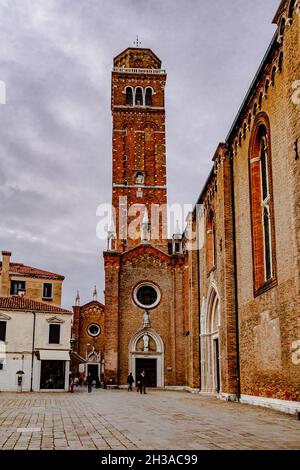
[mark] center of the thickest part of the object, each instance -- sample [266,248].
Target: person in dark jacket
[142,385]
[130,381]
[90,383]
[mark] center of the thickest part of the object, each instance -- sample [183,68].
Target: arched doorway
[210,345]
[146,352]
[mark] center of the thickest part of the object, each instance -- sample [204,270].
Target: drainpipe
[32,354]
[199,314]
[238,373]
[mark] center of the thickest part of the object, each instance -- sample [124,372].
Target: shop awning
[54,355]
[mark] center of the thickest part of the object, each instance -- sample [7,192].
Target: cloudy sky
[55,130]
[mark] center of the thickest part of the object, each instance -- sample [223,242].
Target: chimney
[4,282]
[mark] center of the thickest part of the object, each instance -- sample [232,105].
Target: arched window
[291,8]
[263,229]
[129,96]
[282,27]
[240,139]
[260,100]
[280,62]
[210,242]
[255,109]
[267,84]
[148,97]
[249,120]
[273,75]
[139,97]
[245,130]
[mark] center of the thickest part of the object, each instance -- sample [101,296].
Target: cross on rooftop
[137,42]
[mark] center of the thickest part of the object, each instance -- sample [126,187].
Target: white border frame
[90,334]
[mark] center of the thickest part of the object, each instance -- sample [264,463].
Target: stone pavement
[118,419]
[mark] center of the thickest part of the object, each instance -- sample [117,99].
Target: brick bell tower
[143,281]
[139,155]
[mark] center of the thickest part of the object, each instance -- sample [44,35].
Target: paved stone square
[117,419]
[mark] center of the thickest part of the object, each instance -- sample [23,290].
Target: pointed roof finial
[177,228]
[77,300]
[112,228]
[145,235]
[177,233]
[95,293]
[137,42]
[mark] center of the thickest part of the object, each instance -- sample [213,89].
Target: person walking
[90,383]
[142,382]
[72,384]
[130,381]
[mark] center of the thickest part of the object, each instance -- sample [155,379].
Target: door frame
[158,355]
[216,363]
[147,358]
[92,364]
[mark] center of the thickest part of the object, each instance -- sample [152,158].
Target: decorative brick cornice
[146,251]
[111,259]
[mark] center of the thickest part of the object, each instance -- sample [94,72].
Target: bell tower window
[148,97]
[139,97]
[129,96]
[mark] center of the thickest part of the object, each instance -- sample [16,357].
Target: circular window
[94,329]
[146,295]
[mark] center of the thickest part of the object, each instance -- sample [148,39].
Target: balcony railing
[141,71]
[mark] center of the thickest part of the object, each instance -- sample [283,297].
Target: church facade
[246,274]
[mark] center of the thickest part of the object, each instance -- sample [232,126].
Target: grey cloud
[55,133]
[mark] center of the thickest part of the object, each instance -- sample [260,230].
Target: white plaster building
[34,345]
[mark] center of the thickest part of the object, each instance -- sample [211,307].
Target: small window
[1,365]
[2,330]
[54,334]
[139,178]
[291,8]
[94,330]
[148,98]
[273,75]
[47,291]
[146,295]
[210,242]
[282,27]
[16,286]
[267,86]
[139,97]
[260,100]
[129,96]
[280,62]
[240,139]
[255,109]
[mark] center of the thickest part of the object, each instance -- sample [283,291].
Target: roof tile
[19,268]
[17,302]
